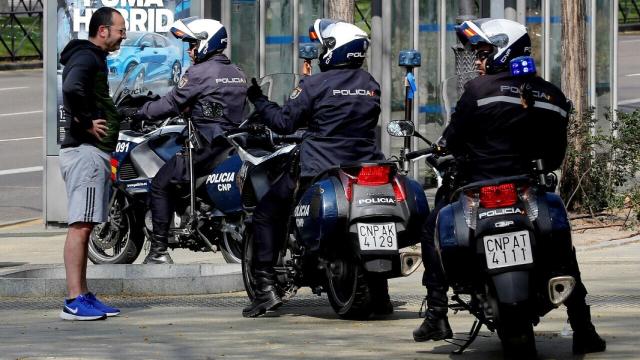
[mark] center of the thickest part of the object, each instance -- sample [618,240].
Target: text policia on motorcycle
[92,125]
[211,97]
[492,139]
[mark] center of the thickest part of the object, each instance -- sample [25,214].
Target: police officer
[340,108]
[213,93]
[501,123]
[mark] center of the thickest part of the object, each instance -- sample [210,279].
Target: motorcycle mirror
[307,51]
[400,128]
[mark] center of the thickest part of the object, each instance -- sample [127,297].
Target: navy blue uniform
[213,93]
[492,135]
[340,109]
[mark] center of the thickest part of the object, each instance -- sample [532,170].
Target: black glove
[129,113]
[254,91]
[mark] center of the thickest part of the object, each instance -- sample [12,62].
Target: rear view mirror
[400,128]
[307,51]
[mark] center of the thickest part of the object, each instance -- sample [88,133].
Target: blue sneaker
[81,308]
[108,310]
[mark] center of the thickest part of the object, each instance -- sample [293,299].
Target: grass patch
[16,40]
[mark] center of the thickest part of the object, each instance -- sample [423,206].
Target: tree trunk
[574,86]
[342,10]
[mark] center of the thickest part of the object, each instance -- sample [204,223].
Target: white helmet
[209,36]
[343,44]
[509,40]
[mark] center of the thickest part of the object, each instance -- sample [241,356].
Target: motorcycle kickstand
[473,334]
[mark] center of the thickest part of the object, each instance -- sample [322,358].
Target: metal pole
[614,60]
[296,32]
[263,36]
[546,43]
[415,26]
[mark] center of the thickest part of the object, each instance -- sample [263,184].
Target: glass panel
[555,45]
[535,27]
[401,35]
[244,34]
[603,59]
[279,37]
[430,119]
[309,11]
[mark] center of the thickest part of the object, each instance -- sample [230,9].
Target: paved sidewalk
[211,327]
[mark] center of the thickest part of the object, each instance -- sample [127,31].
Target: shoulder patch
[295,93]
[183,81]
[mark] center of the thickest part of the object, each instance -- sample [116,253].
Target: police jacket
[85,95]
[340,108]
[213,92]
[492,134]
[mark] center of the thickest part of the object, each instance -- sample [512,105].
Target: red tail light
[114,169]
[398,190]
[372,176]
[498,196]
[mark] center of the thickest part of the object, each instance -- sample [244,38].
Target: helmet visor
[470,35]
[320,29]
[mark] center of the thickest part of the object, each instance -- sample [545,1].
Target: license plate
[377,236]
[507,249]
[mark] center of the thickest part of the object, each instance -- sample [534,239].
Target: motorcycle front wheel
[232,248]
[348,290]
[120,239]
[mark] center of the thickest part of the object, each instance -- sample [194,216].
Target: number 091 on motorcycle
[377,236]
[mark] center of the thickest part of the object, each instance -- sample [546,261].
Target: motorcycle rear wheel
[348,290]
[516,332]
[120,239]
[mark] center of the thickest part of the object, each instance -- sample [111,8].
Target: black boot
[266,297]
[585,338]
[158,253]
[434,327]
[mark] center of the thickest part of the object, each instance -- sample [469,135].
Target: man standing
[90,136]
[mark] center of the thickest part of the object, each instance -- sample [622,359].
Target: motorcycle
[505,246]
[348,233]
[208,214]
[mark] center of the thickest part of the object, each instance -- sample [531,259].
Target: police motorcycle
[349,231]
[504,245]
[208,214]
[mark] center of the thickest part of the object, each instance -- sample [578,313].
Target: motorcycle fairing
[222,187]
[317,213]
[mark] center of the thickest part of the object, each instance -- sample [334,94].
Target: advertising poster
[149,49]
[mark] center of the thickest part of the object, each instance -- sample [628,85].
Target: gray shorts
[86,173]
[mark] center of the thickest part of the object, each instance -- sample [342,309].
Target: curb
[20,65]
[136,279]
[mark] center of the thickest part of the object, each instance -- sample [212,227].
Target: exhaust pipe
[560,287]
[409,262]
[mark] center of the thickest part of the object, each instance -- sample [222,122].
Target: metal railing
[629,18]
[21,29]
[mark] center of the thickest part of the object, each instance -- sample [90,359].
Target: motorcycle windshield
[142,79]
[280,86]
[450,90]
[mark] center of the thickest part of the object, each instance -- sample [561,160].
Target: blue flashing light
[523,65]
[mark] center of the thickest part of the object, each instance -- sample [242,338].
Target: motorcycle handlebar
[287,138]
[416,154]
